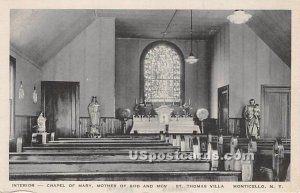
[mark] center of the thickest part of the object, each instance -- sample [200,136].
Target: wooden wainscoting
[108,125]
[23,127]
[237,126]
[211,126]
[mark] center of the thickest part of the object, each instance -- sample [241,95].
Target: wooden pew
[96,149]
[281,159]
[132,176]
[264,151]
[107,144]
[57,166]
[107,159]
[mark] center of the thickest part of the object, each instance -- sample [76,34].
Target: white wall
[242,60]
[90,60]
[30,75]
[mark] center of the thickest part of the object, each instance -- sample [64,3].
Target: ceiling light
[191,59]
[239,17]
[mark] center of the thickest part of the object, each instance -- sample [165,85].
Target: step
[128,137]
[174,175]
[22,166]
[103,144]
[101,149]
[107,141]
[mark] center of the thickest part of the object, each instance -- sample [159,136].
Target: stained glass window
[162,74]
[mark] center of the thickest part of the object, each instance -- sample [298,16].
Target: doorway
[223,109]
[60,102]
[276,112]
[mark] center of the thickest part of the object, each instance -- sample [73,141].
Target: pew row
[107,159]
[271,155]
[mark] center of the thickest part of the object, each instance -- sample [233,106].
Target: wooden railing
[108,125]
[23,127]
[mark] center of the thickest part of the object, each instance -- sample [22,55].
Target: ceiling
[40,34]
[274,28]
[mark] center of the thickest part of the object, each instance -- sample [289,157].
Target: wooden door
[61,107]
[276,103]
[223,109]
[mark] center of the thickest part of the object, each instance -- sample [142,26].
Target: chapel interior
[88,86]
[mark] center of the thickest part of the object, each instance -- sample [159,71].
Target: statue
[252,115]
[94,112]
[41,121]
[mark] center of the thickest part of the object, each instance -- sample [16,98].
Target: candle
[189,101]
[136,101]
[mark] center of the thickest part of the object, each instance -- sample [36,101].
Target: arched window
[162,73]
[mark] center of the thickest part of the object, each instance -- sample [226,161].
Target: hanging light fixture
[34,95]
[239,17]
[191,59]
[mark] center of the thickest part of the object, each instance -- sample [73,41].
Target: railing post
[247,169]
[252,146]
[278,159]
[233,147]
[162,136]
[214,161]
[196,146]
[19,144]
[52,136]
[220,145]
[167,137]
[209,149]
[220,148]
[178,140]
[237,165]
[174,140]
[182,143]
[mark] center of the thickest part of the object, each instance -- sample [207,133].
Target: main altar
[174,119]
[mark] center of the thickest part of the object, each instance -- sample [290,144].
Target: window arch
[162,73]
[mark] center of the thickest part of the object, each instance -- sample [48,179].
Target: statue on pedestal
[252,115]
[94,112]
[41,123]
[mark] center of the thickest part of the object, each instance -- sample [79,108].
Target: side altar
[175,119]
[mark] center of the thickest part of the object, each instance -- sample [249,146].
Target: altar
[165,117]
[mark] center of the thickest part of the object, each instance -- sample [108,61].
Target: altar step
[173,175]
[106,144]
